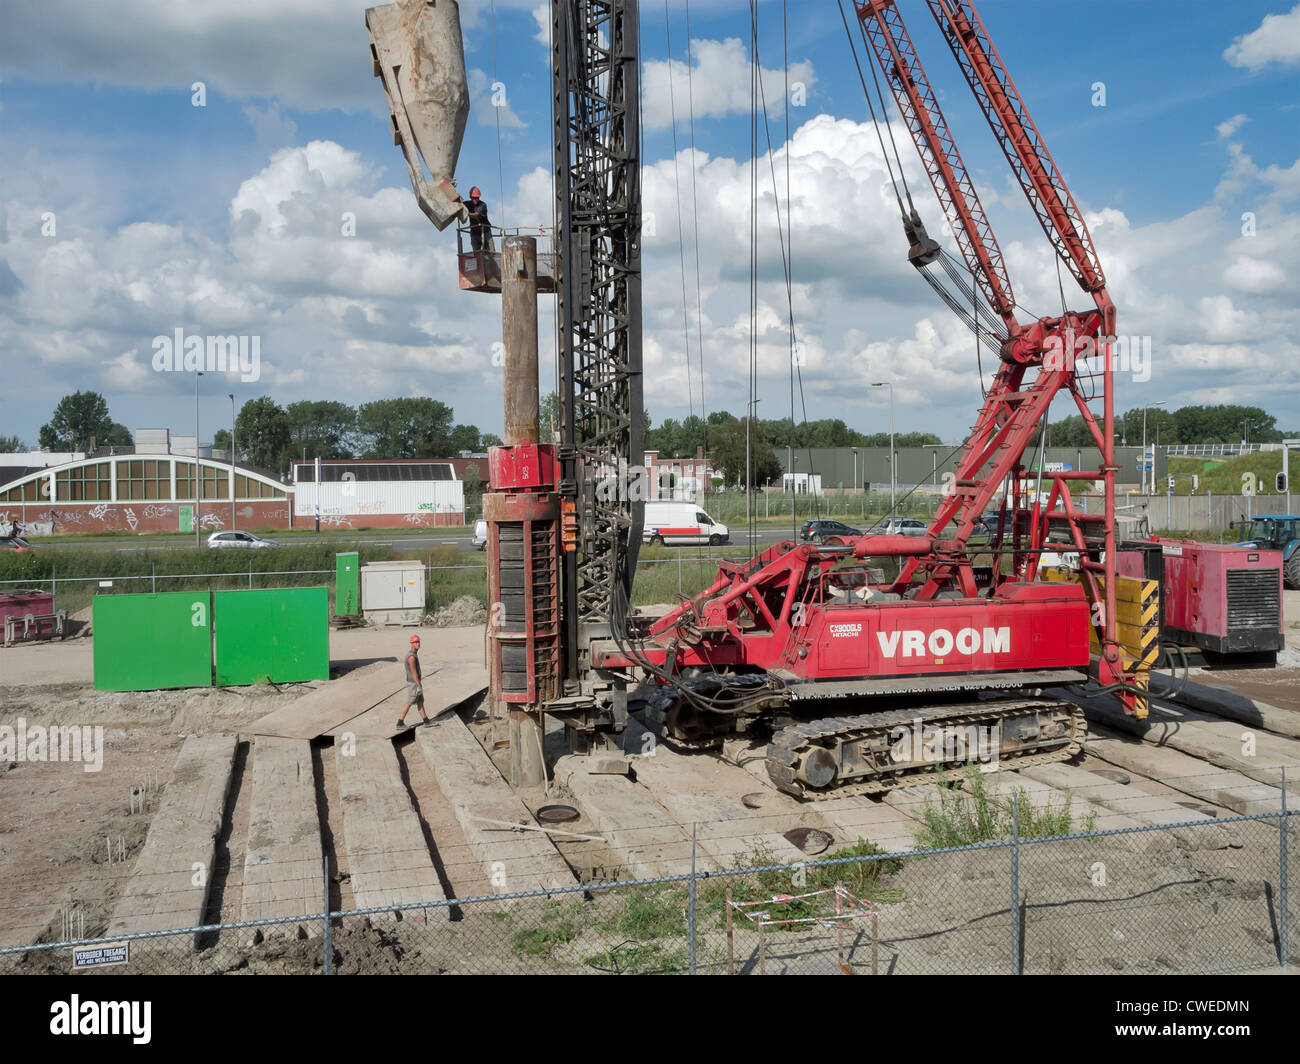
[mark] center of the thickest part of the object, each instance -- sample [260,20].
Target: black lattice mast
[598,210]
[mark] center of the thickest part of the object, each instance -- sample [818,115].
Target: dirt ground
[58,822]
[1171,911]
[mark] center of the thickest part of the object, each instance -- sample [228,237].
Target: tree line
[1229,423]
[271,436]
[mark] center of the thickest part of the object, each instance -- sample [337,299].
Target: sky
[127,212]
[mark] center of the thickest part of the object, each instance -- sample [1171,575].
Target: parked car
[480,535]
[239,539]
[15,543]
[900,526]
[820,531]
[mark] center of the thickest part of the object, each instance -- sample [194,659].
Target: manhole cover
[557,814]
[810,840]
[1114,775]
[753,800]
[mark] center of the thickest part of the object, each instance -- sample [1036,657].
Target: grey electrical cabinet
[392,592]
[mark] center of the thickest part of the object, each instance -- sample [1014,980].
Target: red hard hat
[415,639]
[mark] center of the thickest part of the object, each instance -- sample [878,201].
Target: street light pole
[893,486]
[232,460]
[1144,450]
[856,487]
[198,478]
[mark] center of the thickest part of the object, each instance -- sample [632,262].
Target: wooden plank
[283,863]
[172,877]
[1189,775]
[1256,755]
[1138,805]
[647,838]
[332,704]
[443,689]
[701,790]
[1222,703]
[512,860]
[387,853]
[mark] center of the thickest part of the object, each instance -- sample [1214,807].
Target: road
[764,536]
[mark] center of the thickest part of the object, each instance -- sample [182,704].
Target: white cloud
[1230,127]
[542,16]
[270,126]
[1248,274]
[719,81]
[1276,40]
[484,94]
[380,313]
[311,55]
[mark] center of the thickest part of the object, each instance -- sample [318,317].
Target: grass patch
[75,571]
[978,813]
[1223,475]
[863,878]
[640,958]
[560,924]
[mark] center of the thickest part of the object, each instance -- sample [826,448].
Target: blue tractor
[1276,533]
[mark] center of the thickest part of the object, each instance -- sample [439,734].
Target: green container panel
[347,584]
[278,635]
[145,642]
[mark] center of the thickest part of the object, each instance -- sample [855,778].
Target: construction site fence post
[731,944]
[1282,923]
[325,937]
[691,906]
[1015,883]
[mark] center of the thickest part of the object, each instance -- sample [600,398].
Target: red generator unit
[1219,597]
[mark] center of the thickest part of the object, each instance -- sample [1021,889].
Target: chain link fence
[1203,896]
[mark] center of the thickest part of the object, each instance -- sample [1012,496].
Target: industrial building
[682,479]
[147,487]
[841,468]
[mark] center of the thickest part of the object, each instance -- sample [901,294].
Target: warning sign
[99,956]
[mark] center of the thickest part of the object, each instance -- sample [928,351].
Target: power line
[677,186]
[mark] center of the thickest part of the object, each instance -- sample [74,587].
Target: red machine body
[792,614]
[524,467]
[773,641]
[522,509]
[1218,597]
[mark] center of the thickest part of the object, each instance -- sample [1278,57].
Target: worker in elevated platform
[480,229]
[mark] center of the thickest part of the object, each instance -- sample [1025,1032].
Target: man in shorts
[414,692]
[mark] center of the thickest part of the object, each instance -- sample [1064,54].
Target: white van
[681,523]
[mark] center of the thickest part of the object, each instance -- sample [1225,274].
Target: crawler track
[791,745]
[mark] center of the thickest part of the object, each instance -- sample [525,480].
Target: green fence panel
[278,635]
[347,584]
[145,642]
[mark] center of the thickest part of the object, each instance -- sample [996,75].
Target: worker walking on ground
[480,229]
[414,692]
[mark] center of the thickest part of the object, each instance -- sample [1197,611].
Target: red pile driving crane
[778,642]
[859,683]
